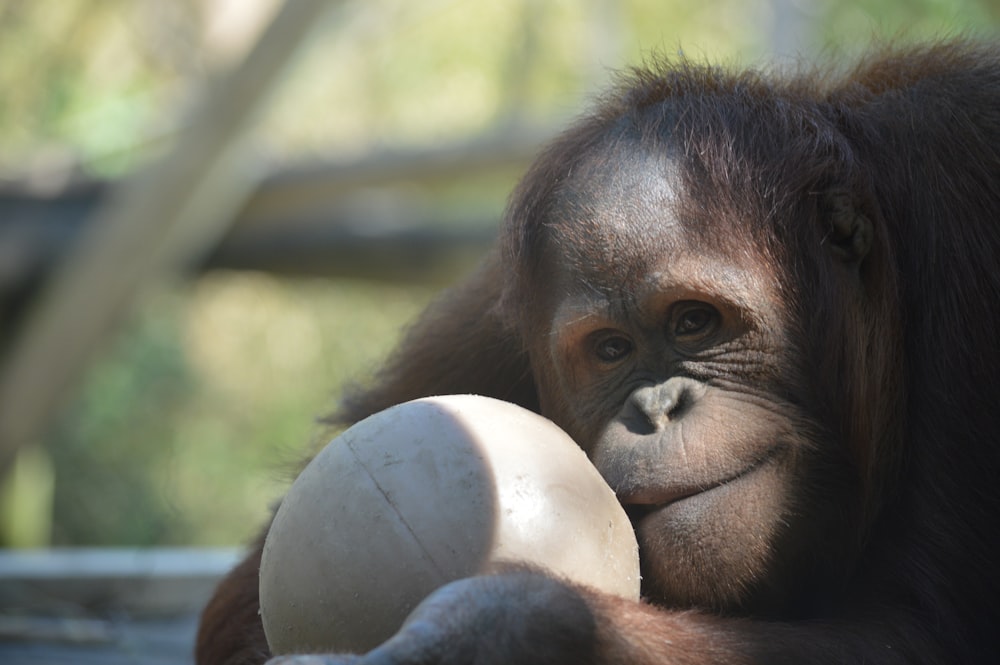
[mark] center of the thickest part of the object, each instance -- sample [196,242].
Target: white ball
[425,493]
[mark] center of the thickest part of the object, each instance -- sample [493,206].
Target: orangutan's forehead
[616,211]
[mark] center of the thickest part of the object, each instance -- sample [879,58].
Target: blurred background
[372,172]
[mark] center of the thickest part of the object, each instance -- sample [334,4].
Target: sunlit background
[200,408]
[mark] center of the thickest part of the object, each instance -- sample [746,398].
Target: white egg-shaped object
[425,493]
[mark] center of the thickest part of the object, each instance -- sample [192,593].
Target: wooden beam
[295,220]
[308,188]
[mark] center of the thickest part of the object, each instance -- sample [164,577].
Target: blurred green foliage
[102,84]
[202,409]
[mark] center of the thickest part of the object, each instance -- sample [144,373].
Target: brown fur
[863,209]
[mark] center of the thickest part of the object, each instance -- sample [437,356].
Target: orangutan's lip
[642,502]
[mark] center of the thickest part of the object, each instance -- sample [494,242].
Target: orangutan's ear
[849,231]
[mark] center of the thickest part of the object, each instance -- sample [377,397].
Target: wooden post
[154,222]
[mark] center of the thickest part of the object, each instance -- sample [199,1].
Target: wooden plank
[147,581]
[114,606]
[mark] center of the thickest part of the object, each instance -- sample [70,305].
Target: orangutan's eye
[613,348]
[695,319]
